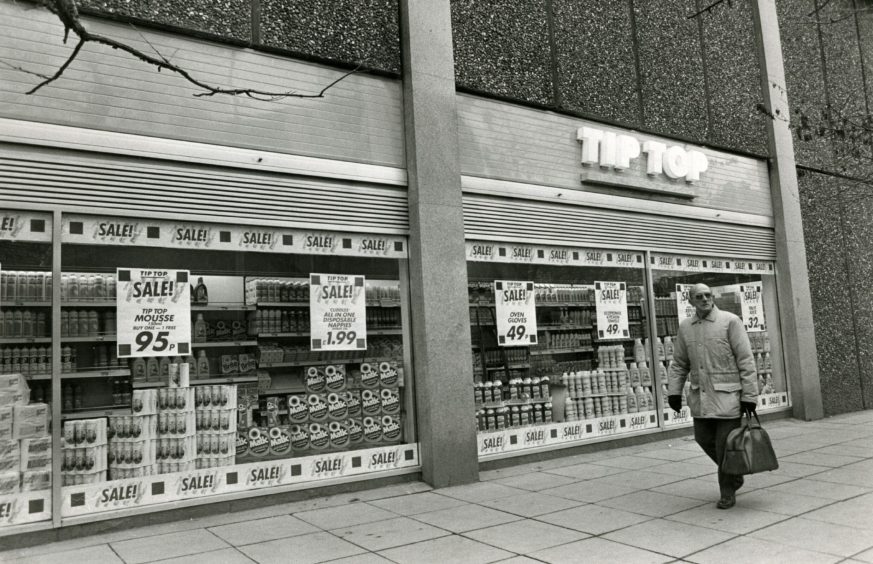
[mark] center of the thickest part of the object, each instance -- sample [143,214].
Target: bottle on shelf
[660,345]
[645,374]
[201,295]
[138,370]
[668,347]
[639,351]
[642,400]
[78,396]
[200,329]
[633,375]
[153,369]
[202,365]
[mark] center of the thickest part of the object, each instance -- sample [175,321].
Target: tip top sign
[614,150]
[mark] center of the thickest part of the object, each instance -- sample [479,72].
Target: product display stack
[25,443]
[85,452]
[133,439]
[177,437]
[215,409]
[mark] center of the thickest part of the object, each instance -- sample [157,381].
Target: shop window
[744,287]
[25,367]
[583,371]
[211,359]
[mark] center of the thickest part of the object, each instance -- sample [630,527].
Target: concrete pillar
[792,280]
[437,263]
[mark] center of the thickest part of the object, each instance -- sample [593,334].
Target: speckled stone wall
[865,33]
[733,78]
[831,302]
[502,47]
[671,68]
[222,18]
[804,77]
[858,206]
[358,31]
[596,66]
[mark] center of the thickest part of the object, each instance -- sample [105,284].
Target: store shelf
[510,367]
[219,344]
[225,379]
[90,339]
[108,373]
[36,377]
[283,391]
[310,362]
[281,304]
[105,302]
[93,412]
[27,303]
[370,332]
[563,327]
[562,351]
[224,307]
[383,303]
[14,340]
[284,334]
[565,304]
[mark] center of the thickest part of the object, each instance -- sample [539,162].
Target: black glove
[675,402]
[748,407]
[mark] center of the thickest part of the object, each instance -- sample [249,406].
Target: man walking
[713,352]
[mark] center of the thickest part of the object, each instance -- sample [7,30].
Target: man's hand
[675,402]
[748,407]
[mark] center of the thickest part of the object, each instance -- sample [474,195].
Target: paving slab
[652,504]
[480,491]
[587,471]
[306,549]
[89,555]
[589,491]
[593,519]
[779,502]
[525,537]
[223,556]
[388,534]
[536,481]
[669,537]
[818,488]
[261,530]
[750,550]
[532,504]
[808,534]
[447,549]
[856,512]
[345,516]
[599,551]
[817,458]
[739,520]
[417,503]
[162,547]
[466,518]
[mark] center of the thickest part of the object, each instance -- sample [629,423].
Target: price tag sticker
[337,312]
[610,299]
[516,313]
[153,311]
[752,308]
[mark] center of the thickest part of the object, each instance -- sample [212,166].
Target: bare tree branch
[708,8]
[68,13]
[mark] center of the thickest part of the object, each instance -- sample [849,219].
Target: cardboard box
[9,482]
[30,421]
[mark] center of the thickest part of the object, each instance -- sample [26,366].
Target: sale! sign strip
[512,440]
[25,226]
[687,263]
[491,251]
[164,488]
[28,507]
[153,312]
[337,312]
[611,304]
[752,307]
[516,313]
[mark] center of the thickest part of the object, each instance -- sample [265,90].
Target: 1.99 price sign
[516,313]
[153,312]
[337,312]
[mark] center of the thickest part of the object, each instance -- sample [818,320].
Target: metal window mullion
[56,369]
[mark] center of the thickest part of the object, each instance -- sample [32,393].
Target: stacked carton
[25,444]
[177,438]
[216,419]
[133,439]
[84,452]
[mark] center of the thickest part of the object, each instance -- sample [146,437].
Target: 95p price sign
[516,313]
[153,312]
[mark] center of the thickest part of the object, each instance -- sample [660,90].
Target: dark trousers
[711,435]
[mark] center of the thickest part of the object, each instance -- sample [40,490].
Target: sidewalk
[646,503]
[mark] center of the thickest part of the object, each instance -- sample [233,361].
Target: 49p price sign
[337,312]
[516,313]
[752,308]
[611,301]
[153,312]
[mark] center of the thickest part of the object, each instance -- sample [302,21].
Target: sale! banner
[752,308]
[516,313]
[153,312]
[337,312]
[684,309]
[611,301]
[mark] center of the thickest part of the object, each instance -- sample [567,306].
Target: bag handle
[749,414]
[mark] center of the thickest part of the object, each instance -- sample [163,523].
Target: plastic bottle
[668,347]
[26,324]
[759,362]
[650,400]
[766,345]
[153,370]
[634,375]
[200,329]
[639,351]
[138,370]
[631,402]
[202,365]
[660,345]
[642,400]
[73,324]
[645,374]
[768,365]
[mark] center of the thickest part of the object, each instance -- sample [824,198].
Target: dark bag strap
[748,419]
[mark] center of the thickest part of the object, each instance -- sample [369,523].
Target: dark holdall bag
[748,449]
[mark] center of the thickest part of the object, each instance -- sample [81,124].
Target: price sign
[516,313]
[611,301]
[337,312]
[153,312]
[684,309]
[752,308]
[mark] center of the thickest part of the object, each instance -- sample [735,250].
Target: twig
[68,13]
[707,9]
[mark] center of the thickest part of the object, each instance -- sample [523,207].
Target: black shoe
[727,501]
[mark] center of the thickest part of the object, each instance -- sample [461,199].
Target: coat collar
[711,317]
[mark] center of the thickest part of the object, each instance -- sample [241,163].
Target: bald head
[701,299]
